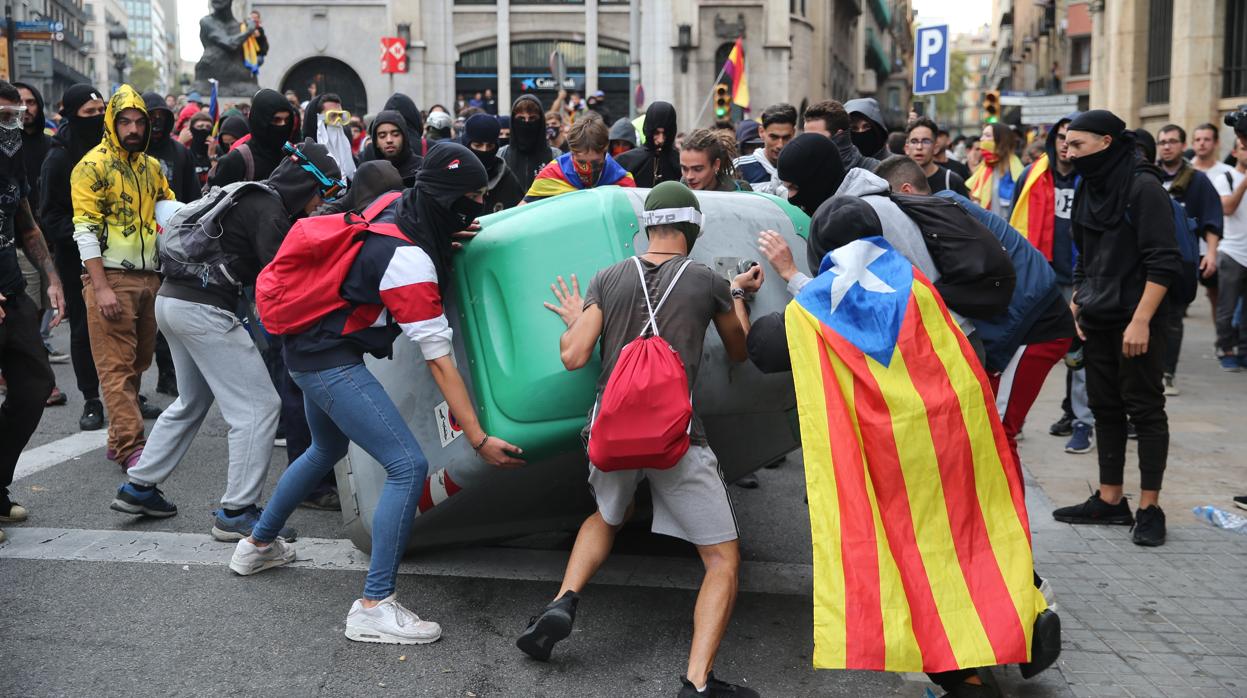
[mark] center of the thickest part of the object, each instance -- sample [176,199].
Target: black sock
[231,513]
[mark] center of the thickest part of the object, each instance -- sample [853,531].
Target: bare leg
[1110,494]
[714,607]
[1148,497]
[593,546]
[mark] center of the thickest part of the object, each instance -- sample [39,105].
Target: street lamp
[118,43]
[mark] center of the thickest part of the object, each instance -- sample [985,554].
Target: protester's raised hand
[776,250]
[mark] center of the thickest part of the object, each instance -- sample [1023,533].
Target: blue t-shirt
[1062,237]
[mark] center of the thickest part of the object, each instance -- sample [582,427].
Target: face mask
[868,142]
[10,140]
[1090,165]
[199,135]
[589,174]
[552,132]
[527,132]
[90,129]
[467,210]
[502,142]
[487,158]
[989,152]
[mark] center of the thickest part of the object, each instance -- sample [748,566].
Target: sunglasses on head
[330,188]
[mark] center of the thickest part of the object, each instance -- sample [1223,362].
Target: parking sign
[931,60]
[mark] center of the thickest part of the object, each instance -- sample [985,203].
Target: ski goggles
[337,117]
[330,188]
[11,116]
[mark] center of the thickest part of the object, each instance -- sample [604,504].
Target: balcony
[882,13]
[876,56]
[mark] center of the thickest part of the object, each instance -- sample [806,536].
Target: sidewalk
[1168,621]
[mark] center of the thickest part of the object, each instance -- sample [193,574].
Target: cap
[747,133]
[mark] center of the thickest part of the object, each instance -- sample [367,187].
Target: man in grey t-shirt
[690,498]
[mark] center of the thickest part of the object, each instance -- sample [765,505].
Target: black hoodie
[175,159]
[651,164]
[528,150]
[254,228]
[405,160]
[265,142]
[56,206]
[35,145]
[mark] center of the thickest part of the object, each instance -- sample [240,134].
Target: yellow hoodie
[115,194]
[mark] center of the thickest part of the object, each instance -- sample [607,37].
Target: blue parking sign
[931,60]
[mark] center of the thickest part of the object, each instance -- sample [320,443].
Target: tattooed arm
[37,252]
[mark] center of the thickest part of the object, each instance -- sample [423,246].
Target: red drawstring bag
[643,417]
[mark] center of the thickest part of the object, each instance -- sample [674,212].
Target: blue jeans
[345,404]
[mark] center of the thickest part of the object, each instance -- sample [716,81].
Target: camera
[1237,120]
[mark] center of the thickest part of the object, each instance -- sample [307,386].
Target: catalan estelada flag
[214,107]
[1034,214]
[922,556]
[559,176]
[734,70]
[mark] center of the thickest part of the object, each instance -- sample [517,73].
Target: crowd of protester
[1082,210]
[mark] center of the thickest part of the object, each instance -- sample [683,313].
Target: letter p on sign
[931,66]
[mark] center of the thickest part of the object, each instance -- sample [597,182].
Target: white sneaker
[1171,389]
[389,622]
[249,559]
[1049,595]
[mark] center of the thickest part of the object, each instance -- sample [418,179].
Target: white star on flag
[849,263]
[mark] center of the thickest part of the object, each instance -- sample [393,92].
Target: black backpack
[976,275]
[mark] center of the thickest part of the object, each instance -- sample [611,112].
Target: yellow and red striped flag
[922,555]
[734,70]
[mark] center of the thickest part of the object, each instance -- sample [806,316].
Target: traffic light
[722,102]
[991,106]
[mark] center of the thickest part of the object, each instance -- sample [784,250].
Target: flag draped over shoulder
[251,52]
[734,70]
[922,556]
[559,177]
[1034,211]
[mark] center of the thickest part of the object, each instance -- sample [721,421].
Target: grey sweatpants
[215,360]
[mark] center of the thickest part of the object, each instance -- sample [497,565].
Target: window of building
[1080,55]
[894,98]
[1234,74]
[88,36]
[1159,40]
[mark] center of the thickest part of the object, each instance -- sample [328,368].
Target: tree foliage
[959,80]
[143,75]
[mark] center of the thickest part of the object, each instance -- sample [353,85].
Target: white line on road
[59,451]
[85,545]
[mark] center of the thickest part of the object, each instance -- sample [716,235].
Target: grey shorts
[690,498]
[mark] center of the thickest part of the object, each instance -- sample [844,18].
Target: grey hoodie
[869,108]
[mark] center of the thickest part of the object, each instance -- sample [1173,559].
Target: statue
[223,37]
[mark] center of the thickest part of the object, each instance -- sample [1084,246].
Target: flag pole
[710,95]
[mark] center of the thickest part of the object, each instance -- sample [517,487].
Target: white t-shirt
[1234,240]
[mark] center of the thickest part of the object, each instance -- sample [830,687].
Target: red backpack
[303,282]
[644,415]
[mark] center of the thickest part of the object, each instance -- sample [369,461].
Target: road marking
[59,451]
[86,545]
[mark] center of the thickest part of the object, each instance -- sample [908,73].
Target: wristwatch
[738,293]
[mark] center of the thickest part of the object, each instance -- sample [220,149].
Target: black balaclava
[85,132]
[264,105]
[482,128]
[528,137]
[869,142]
[1100,202]
[372,179]
[159,119]
[504,121]
[812,162]
[199,137]
[295,185]
[433,210]
[839,221]
[660,115]
[1146,143]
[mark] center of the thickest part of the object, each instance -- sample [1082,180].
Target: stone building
[107,41]
[1159,61]
[976,52]
[796,50]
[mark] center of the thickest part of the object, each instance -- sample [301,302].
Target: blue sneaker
[132,500]
[1230,363]
[228,529]
[1083,439]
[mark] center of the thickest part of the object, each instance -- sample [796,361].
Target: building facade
[149,39]
[796,50]
[107,40]
[976,55]
[50,66]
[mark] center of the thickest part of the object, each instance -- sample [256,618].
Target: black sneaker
[147,409]
[1149,527]
[92,418]
[325,500]
[1045,643]
[1131,432]
[1063,426]
[1241,501]
[167,384]
[1096,511]
[715,689]
[748,482]
[131,500]
[554,624]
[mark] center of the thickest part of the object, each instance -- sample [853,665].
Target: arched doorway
[329,75]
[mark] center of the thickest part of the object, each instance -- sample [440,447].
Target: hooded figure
[372,179]
[438,127]
[405,160]
[528,150]
[263,149]
[235,127]
[200,128]
[622,137]
[811,164]
[404,105]
[437,208]
[874,142]
[76,136]
[176,161]
[254,227]
[35,142]
[335,138]
[115,188]
[1145,143]
[504,189]
[651,163]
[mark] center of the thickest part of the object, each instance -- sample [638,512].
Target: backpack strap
[948,178]
[653,309]
[248,160]
[380,204]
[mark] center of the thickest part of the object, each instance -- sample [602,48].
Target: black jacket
[504,188]
[650,164]
[1115,264]
[35,146]
[176,160]
[265,142]
[56,205]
